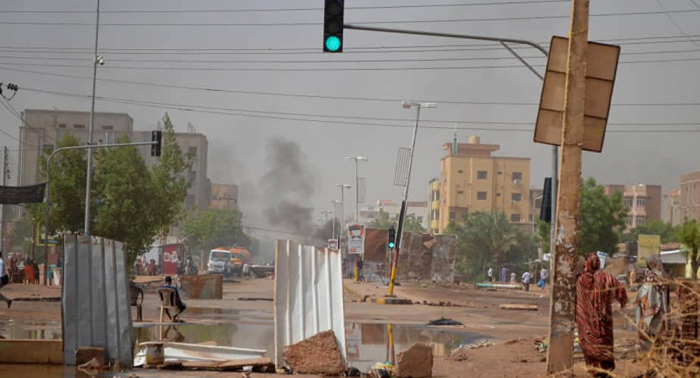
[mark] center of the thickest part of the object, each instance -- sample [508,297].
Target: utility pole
[96,60]
[5,168]
[357,159]
[563,311]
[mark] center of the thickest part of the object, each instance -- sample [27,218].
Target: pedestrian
[178,302]
[360,265]
[543,278]
[595,291]
[512,278]
[526,280]
[4,280]
[652,305]
[246,271]
[504,274]
[490,274]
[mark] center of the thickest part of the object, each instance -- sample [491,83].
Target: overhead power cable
[314,96]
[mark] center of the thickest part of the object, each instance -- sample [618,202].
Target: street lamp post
[402,214]
[342,205]
[357,159]
[336,204]
[97,60]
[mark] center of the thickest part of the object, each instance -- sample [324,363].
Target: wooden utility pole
[563,310]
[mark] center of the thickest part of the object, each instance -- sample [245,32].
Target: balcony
[435,205]
[434,224]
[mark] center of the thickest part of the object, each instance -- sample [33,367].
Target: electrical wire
[304,95]
[388,22]
[334,119]
[18,115]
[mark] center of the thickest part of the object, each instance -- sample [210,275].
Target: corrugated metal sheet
[197,352]
[96,309]
[674,257]
[308,295]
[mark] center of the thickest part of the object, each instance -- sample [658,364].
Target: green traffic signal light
[392,245]
[333,43]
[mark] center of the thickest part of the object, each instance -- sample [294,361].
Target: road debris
[444,322]
[160,352]
[519,307]
[416,362]
[262,364]
[91,368]
[319,354]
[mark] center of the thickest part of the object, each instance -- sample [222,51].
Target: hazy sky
[238,143]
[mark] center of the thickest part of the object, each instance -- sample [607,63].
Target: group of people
[526,278]
[595,292]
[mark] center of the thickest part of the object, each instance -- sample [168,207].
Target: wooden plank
[520,307]
[20,351]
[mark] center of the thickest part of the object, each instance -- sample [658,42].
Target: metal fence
[96,310]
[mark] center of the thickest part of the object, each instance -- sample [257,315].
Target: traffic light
[392,237]
[157,137]
[333,26]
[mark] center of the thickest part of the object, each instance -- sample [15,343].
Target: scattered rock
[543,359]
[91,368]
[523,360]
[458,355]
[514,341]
[319,354]
[416,362]
[444,322]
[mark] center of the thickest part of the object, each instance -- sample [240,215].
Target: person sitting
[178,302]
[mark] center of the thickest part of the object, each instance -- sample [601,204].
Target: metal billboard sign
[356,239]
[648,246]
[600,79]
[22,194]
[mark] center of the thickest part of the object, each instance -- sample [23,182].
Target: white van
[219,259]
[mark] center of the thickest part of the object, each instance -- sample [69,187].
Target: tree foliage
[689,234]
[129,202]
[410,224]
[602,217]
[487,239]
[206,230]
[667,232]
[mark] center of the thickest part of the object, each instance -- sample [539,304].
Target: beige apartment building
[223,197]
[472,179]
[643,202]
[671,208]
[690,196]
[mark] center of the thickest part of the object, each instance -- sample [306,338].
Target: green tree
[411,223]
[489,238]
[689,234]
[209,229]
[667,232]
[543,234]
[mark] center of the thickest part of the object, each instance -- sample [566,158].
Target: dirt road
[511,335]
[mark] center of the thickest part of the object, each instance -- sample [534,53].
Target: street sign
[333,244]
[356,239]
[600,78]
[402,161]
[648,246]
[603,257]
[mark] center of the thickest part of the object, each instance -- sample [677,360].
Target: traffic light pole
[48,191]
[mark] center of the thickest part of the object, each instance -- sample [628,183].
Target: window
[420,220]
[453,215]
[62,125]
[628,202]
[515,218]
[516,197]
[460,192]
[79,126]
[640,221]
[192,151]
[641,202]
[107,127]
[530,218]
[629,221]
[460,171]
[437,214]
[498,194]
[517,177]
[481,175]
[481,196]
[500,173]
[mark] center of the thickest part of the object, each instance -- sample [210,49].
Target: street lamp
[342,200]
[402,214]
[357,185]
[335,207]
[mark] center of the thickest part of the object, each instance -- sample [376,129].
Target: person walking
[526,280]
[490,274]
[595,291]
[652,305]
[246,271]
[504,275]
[512,278]
[4,280]
[543,278]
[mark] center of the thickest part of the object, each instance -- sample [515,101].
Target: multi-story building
[643,202]
[671,211]
[42,129]
[472,179]
[393,208]
[223,197]
[434,206]
[690,196]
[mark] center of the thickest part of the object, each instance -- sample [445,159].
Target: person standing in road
[504,275]
[4,280]
[595,291]
[512,278]
[246,271]
[526,280]
[490,274]
[543,278]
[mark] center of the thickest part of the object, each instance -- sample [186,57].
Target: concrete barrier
[20,351]
[202,287]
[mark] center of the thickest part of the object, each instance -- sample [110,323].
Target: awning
[674,257]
